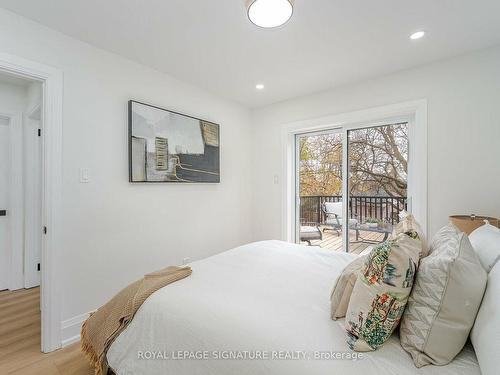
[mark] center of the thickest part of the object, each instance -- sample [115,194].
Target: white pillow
[486,242]
[485,334]
[444,301]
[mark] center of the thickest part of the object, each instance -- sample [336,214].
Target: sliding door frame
[413,112]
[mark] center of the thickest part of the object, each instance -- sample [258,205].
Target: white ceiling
[211,43]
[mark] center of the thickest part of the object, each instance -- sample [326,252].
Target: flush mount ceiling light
[269,13]
[417,35]
[259,86]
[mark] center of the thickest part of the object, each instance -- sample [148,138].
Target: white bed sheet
[267,296]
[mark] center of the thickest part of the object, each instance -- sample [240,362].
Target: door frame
[52,126]
[413,111]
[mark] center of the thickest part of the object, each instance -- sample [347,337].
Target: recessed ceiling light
[417,35]
[269,13]
[259,86]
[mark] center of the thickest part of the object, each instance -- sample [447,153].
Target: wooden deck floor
[333,241]
[20,340]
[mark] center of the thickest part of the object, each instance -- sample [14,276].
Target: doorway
[20,185]
[21,123]
[51,187]
[361,169]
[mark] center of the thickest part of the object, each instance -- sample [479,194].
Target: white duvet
[267,300]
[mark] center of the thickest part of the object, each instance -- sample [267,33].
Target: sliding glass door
[351,185]
[377,182]
[319,189]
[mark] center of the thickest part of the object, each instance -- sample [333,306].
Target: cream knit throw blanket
[103,327]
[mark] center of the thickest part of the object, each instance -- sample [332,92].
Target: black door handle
[3,212]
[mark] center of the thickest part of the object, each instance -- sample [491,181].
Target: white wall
[34,96]
[114,232]
[23,205]
[463,135]
[12,97]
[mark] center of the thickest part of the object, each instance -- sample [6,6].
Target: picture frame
[170,147]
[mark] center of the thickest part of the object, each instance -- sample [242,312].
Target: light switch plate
[84,175]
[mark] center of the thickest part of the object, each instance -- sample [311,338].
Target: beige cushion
[445,299]
[381,291]
[341,293]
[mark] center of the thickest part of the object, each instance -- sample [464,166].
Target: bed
[265,300]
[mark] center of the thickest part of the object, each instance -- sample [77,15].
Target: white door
[32,207]
[4,197]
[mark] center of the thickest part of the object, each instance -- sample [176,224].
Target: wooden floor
[20,340]
[333,241]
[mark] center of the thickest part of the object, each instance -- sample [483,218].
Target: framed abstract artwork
[166,146]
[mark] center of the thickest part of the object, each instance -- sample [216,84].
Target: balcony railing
[385,209]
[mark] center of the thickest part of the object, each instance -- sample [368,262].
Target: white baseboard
[70,340]
[70,329]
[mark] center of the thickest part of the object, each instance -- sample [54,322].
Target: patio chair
[333,217]
[310,232]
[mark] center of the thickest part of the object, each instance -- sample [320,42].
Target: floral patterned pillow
[381,291]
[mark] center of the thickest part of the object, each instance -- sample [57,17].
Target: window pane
[378,179]
[320,183]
